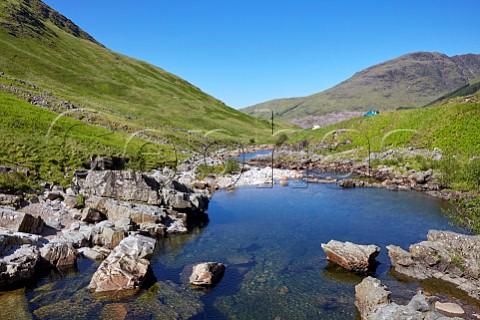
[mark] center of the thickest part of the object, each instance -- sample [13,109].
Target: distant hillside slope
[468,89]
[411,80]
[40,46]
[453,126]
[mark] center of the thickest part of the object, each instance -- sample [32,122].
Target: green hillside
[409,81]
[49,148]
[454,127]
[45,49]
[468,89]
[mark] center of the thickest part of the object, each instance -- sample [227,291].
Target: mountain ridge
[411,80]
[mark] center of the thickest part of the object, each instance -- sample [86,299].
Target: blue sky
[249,51]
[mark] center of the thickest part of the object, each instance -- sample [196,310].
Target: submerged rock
[126,266]
[207,274]
[449,256]
[353,257]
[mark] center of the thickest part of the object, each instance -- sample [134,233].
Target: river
[269,238]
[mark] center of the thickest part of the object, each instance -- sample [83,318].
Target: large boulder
[115,210]
[19,221]
[374,303]
[207,274]
[126,266]
[105,234]
[446,255]
[351,256]
[19,256]
[122,185]
[59,253]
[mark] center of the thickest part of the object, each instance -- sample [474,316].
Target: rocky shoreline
[117,217]
[114,216]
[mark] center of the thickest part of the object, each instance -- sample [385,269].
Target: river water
[269,238]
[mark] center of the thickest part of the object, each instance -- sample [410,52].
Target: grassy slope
[27,143]
[86,73]
[453,127]
[468,89]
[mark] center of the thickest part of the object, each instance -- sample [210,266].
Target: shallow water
[243,157]
[269,238]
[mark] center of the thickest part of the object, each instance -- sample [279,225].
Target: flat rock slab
[449,307]
[207,274]
[126,266]
[351,256]
[20,221]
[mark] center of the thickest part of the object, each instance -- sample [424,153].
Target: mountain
[58,59]
[409,81]
[466,90]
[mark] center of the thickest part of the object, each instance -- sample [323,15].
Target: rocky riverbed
[115,216]
[118,217]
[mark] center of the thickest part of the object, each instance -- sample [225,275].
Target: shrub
[14,181]
[450,167]
[471,174]
[466,213]
[231,166]
[281,139]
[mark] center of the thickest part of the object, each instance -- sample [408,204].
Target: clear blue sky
[249,51]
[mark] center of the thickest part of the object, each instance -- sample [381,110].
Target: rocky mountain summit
[409,81]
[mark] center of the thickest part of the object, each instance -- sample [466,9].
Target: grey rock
[91,215]
[126,266]
[447,255]
[116,210]
[19,256]
[105,234]
[96,253]
[19,221]
[207,274]
[374,303]
[53,195]
[59,252]
[450,308]
[10,199]
[351,256]
[122,185]
[126,224]
[76,238]
[72,202]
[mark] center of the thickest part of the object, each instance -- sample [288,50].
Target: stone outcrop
[91,215]
[19,256]
[374,303]
[115,210]
[207,274]
[124,185]
[353,257]
[126,266]
[19,221]
[173,207]
[59,253]
[446,255]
